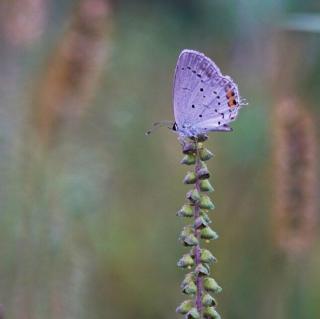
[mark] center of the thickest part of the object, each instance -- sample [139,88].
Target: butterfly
[204,100]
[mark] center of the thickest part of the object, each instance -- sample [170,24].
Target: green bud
[202,270]
[205,202]
[193,195]
[193,314]
[189,289]
[185,307]
[211,285]
[189,159]
[200,138]
[189,148]
[190,240]
[211,313]
[203,172]
[185,211]
[200,222]
[185,261]
[208,233]
[187,237]
[190,178]
[208,301]
[189,277]
[205,186]
[205,216]
[207,257]
[205,154]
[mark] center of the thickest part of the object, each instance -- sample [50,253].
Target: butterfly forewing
[204,99]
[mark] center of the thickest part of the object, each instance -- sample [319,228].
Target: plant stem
[197,234]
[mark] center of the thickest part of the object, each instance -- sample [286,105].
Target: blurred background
[87,201]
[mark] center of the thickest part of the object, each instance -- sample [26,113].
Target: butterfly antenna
[243,102]
[155,125]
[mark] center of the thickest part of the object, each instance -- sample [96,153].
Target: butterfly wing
[203,98]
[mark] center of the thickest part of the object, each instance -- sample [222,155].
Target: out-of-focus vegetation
[87,202]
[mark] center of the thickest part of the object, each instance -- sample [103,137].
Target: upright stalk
[197,233]
[197,284]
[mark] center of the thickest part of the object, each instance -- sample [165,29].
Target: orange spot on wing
[232,102]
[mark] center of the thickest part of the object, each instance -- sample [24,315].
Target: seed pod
[205,202]
[208,233]
[190,178]
[185,261]
[208,301]
[193,314]
[202,270]
[189,159]
[211,285]
[200,222]
[189,289]
[190,240]
[205,186]
[203,172]
[200,138]
[193,195]
[207,257]
[189,148]
[203,213]
[211,313]
[185,211]
[189,277]
[185,307]
[205,154]
[187,237]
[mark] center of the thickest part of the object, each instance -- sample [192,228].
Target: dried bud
[205,202]
[211,285]
[190,178]
[207,257]
[185,307]
[185,261]
[189,159]
[205,186]
[202,270]
[193,314]
[208,233]
[185,211]
[205,154]
[208,301]
[193,195]
[211,313]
